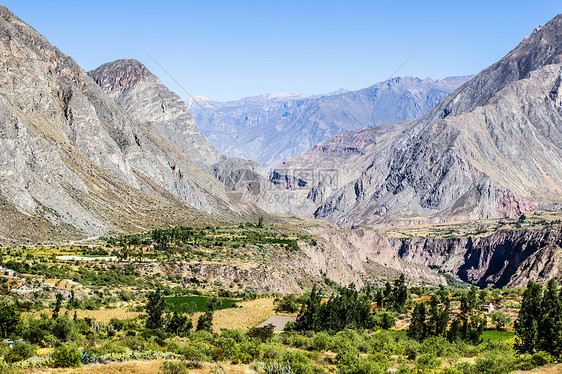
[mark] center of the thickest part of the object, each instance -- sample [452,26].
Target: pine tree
[550,322]
[155,308]
[418,328]
[400,292]
[527,326]
[58,305]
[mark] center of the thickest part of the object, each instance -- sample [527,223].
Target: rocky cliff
[493,148]
[73,160]
[504,258]
[272,128]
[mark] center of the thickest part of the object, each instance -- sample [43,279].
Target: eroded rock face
[72,159]
[491,149]
[506,257]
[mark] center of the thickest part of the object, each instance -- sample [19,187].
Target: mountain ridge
[494,156]
[271,128]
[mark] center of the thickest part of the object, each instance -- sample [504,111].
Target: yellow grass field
[249,314]
[142,367]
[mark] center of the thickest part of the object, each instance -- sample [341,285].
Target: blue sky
[226,50]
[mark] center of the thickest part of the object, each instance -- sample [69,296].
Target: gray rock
[273,128]
[491,149]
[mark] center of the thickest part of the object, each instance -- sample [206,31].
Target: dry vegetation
[534,221]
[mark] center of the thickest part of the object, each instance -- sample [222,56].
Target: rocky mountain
[273,128]
[504,258]
[74,161]
[493,148]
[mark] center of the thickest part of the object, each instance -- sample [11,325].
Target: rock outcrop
[506,257]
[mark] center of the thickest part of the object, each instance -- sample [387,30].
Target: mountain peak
[119,75]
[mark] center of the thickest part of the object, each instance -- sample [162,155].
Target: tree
[500,319]
[550,323]
[155,308]
[9,319]
[178,324]
[205,321]
[438,317]
[307,319]
[260,222]
[58,305]
[400,292]
[418,328]
[527,326]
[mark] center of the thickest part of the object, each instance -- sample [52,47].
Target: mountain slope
[72,160]
[491,149]
[273,128]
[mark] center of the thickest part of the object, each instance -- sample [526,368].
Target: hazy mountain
[493,148]
[272,128]
[73,160]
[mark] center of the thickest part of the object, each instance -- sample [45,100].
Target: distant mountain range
[272,128]
[491,149]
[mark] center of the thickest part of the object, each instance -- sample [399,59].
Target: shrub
[320,342]
[541,358]
[65,356]
[275,367]
[174,367]
[490,363]
[288,304]
[384,320]
[21,351]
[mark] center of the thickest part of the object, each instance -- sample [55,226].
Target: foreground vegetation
[118,302]
[346,331]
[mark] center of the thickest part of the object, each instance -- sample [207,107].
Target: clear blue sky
[230,49]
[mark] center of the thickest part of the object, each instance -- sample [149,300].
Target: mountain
[74,162]
[493,148]
[273,128]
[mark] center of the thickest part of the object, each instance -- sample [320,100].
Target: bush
[65,356]
[174,367]
[428,361]
[21,351]
[275,367]
[288,304]
[541,358]
[384,320]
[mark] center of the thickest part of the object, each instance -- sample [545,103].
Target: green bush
[65,356]
[20,351]
[541,358]
[320,342]
[384,320]
[427,362]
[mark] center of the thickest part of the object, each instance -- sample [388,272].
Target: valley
[414,226]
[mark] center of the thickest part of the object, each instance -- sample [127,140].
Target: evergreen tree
[527,326]
[58,305]
[438,317]
[400,292]
[418,328]
[307,319]
[550,323]
[155,308]
[205,321]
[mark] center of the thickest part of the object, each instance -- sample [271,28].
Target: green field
[494,335]
[195,304]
